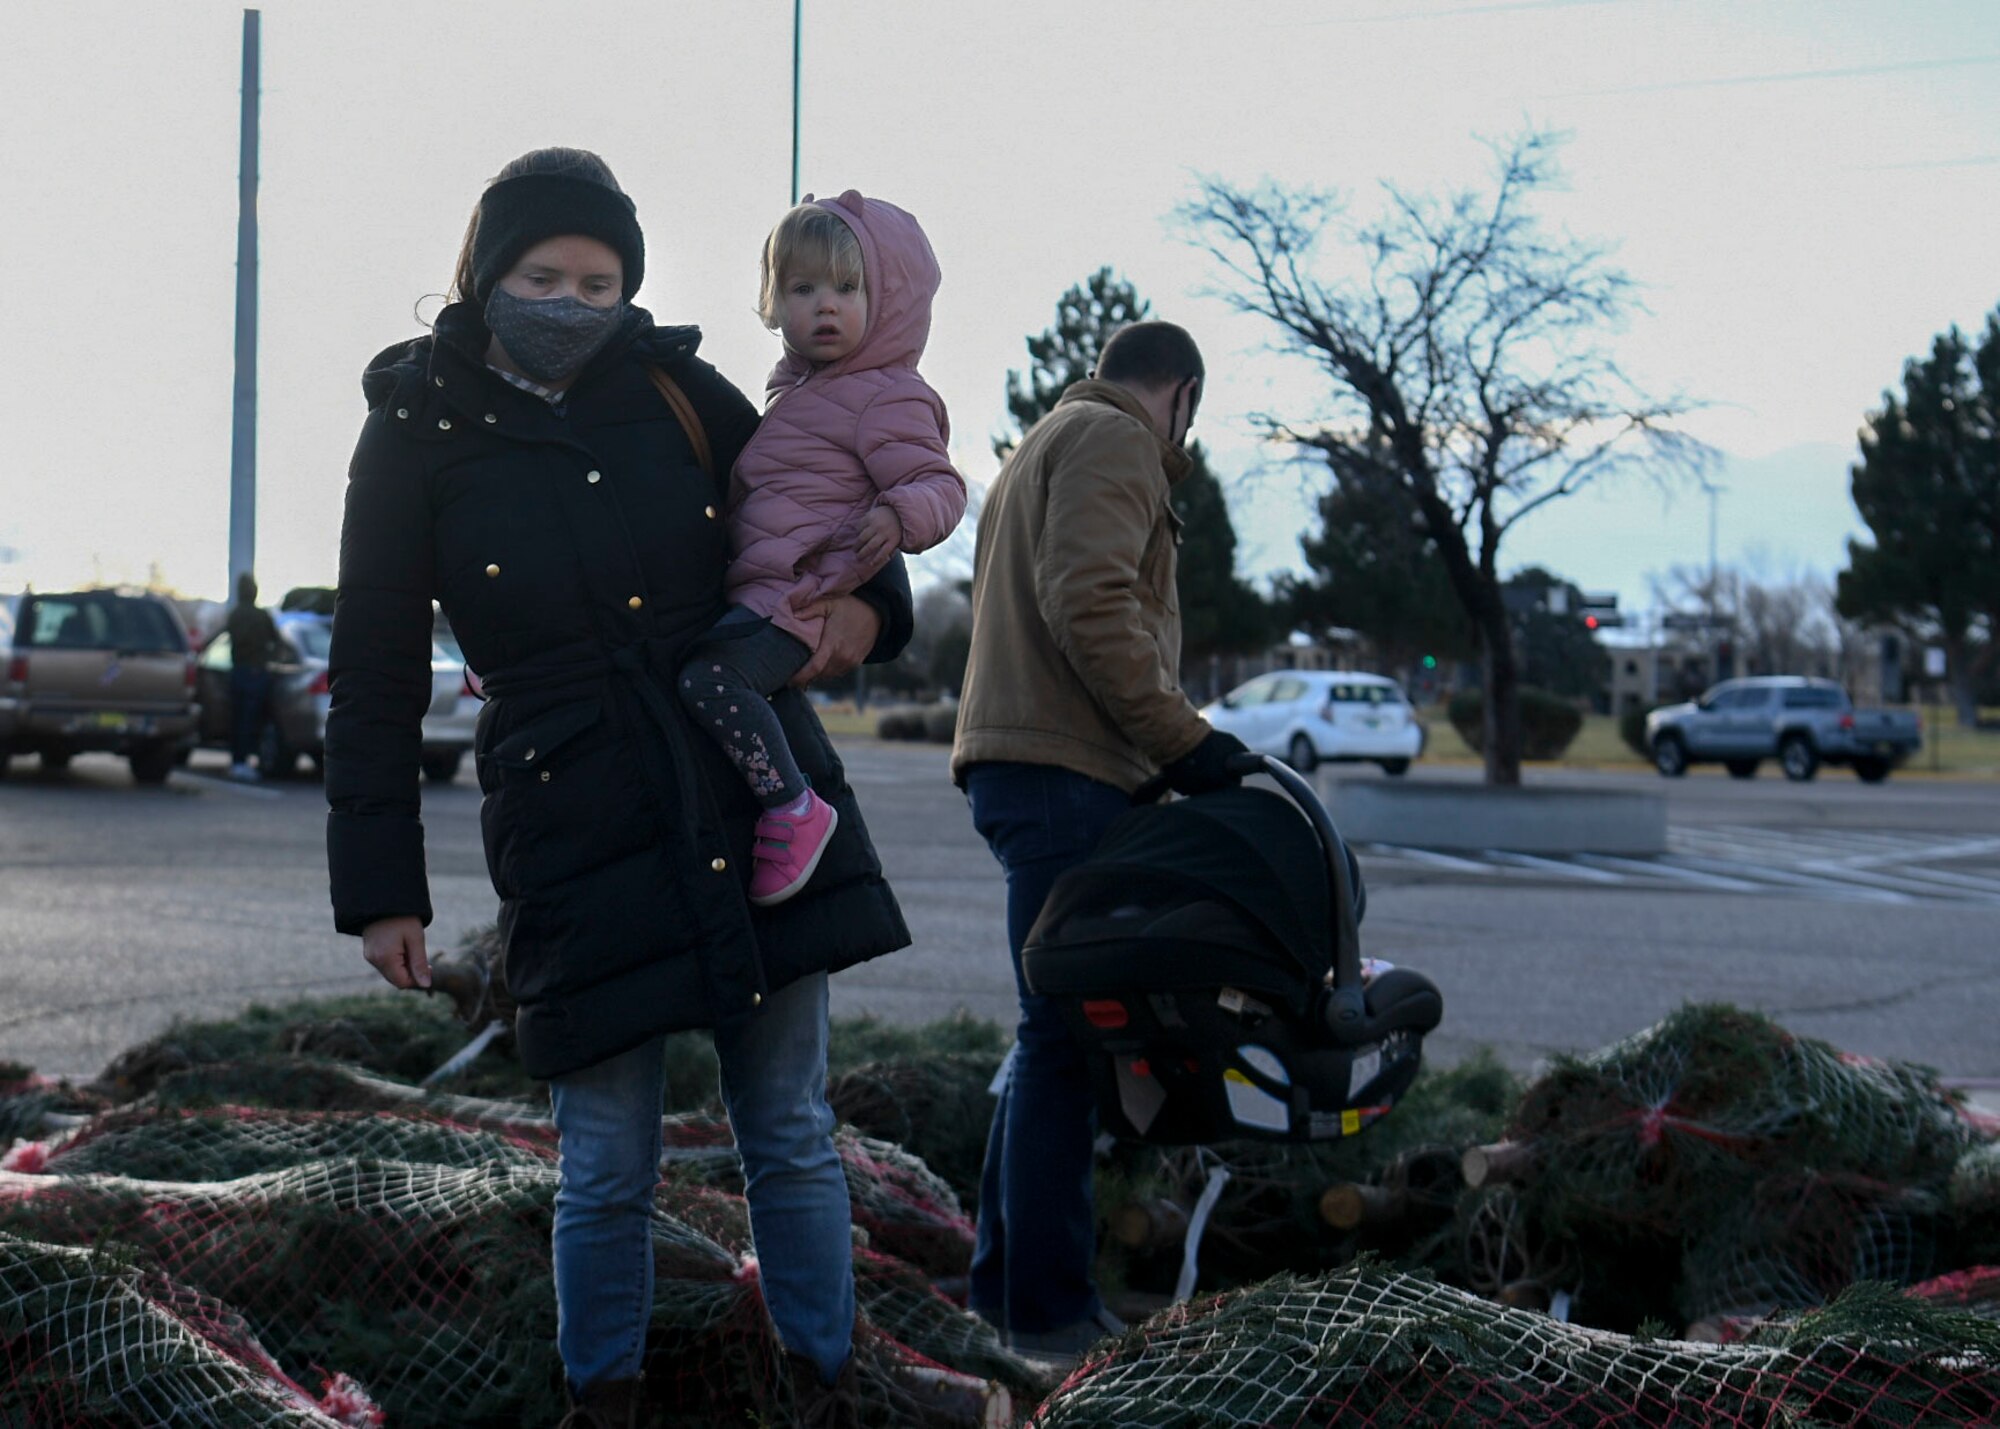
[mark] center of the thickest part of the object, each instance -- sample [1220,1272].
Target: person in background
[253,644]
[1072,699]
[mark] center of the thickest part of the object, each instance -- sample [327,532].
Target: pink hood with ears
[839,440]
[901,276]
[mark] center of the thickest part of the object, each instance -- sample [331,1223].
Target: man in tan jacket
[1072,700]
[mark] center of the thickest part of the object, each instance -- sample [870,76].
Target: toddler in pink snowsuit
[848,467]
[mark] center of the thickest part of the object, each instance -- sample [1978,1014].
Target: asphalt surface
[1866,915]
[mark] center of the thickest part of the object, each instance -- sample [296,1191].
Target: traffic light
[1430,662]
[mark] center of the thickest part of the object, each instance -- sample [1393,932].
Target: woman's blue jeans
[1037,1229]
[608,1115]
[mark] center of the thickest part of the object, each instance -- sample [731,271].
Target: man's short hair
[1149,354]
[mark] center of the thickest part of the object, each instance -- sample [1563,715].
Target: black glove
[1204,768]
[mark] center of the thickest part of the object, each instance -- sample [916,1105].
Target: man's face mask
[550,339]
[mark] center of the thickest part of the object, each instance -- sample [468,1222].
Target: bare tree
[1467,367]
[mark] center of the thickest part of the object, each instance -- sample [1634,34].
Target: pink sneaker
[787,848]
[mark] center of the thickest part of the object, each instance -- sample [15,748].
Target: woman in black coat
[524,467]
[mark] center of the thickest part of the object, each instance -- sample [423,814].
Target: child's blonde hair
[812,242]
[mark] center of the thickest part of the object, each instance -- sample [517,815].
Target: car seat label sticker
[1241,1003]
[1365,1068]
[1140,1096]
[1249,1103]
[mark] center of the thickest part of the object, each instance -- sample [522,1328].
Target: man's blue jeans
[774,1086]
[1037,1229]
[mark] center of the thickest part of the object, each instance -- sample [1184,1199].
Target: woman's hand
[395,946]
[851,630]
[881,536]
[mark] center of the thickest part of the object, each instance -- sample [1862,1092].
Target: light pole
[243,426]
[798,34]
[1714,494]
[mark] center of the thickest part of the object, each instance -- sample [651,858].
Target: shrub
[902,722]
[1632,729]
[933,724]
[941,723]
[1548,722]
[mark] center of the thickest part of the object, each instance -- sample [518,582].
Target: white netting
[85,1338]
[1366,1346]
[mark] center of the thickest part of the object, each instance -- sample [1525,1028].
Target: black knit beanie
[515,214]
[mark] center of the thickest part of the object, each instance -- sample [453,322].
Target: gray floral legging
[725,684]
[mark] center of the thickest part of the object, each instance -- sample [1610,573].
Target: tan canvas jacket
[1076,628]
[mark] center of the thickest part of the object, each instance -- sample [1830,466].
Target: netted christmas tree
[88,1341]
[1369,1346]
[1716,1163]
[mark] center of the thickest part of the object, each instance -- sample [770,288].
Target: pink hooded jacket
[839,438]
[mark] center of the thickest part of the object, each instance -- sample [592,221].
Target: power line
[1789,77]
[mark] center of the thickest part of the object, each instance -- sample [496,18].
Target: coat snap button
[709,512]
[529,756]
[492,570]
[756,999]
[635,602]
[593,477]
[491,418]
[438,380]
[720,865]
[444,424]
[403,413]
[545,776]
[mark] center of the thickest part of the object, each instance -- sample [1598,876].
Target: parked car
[103,670]
[301,693]
[1307,717]
[1803,723]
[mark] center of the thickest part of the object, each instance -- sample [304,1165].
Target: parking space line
[1920,854]
[1562,868]
[1829,887]
[1660,868]
[1426,856]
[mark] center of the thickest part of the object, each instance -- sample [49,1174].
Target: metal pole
[798,35]
[243,434]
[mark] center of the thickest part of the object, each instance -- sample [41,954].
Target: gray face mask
[550,339]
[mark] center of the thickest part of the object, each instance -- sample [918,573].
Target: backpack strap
[690,420]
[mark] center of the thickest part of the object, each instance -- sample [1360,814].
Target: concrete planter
[1471,816]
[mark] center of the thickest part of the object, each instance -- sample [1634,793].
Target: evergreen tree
[1085,316]
[1928,485]
[1219,612]
[1374,569]
[1558,652]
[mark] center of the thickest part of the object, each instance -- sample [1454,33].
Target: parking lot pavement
[121,908]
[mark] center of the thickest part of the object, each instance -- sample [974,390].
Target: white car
[1309,716]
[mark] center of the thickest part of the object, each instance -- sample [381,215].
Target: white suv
[1306,717]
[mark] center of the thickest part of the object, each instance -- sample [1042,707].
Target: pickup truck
[1802,723]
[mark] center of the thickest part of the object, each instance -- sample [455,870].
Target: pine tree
[1219,611]
[1928,485]
[1374,569]
[1085,316]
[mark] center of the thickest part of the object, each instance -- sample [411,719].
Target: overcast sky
[1808,192]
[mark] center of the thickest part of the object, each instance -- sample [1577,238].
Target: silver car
[301,693]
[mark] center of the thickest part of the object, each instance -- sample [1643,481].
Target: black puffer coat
[577,555]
